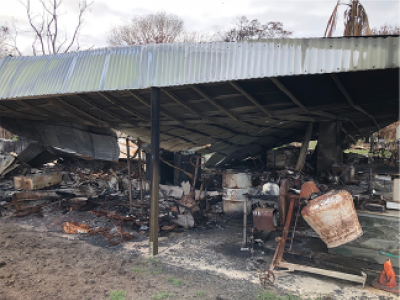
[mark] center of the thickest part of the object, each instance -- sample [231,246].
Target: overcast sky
[304,18]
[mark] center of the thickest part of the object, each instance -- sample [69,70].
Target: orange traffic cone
[387,279]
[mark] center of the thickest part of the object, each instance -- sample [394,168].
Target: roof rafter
[162,111]
[180,102]
[297,101]
[106,112]
[77,112]
[350,100]
[213,102]
[128,110]
[251,98]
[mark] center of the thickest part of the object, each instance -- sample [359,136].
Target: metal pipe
[128,161]
[155,164]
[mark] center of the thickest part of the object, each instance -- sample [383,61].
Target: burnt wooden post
[304,147]
[155,164]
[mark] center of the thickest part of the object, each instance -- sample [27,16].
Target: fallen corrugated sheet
[90,142]
[140,67]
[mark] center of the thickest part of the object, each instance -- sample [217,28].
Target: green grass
[118,295]
[163,295]
[153,260]
[358,151]
[175,281]
[269,295]
[158,271]
[137,270]
[200,293]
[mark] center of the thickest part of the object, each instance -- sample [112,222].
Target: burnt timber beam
[18,113]
[213,102]
[106,112]
[49,114]
[155,164]
[180,102]
[128,110]
[77,112]
[350,100]
[251,98]
[162,111]
[297,101]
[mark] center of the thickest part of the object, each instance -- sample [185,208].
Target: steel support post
[128,161]
[155,164]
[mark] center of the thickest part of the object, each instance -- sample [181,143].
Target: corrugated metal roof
[140,67]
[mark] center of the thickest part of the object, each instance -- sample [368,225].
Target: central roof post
[155,165]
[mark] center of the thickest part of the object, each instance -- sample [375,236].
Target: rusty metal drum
[334,218]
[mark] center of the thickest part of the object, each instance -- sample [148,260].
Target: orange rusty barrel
[334,218]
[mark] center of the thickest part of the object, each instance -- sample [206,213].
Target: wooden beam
[162,111]
[21,114]
[350,100]
[126,109]
[213,102]
[180,102]
[251,98]
[304,147]
[297,101]
[49,114]
[77,112]
[106,112]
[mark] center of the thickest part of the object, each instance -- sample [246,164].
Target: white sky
[305,18]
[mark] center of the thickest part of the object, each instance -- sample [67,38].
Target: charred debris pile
[282,191]
[190,194]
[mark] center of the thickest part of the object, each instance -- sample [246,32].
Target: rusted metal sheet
[307,189]
[233,180]
[334,218]
[75,227]
[37,181]
[263,218]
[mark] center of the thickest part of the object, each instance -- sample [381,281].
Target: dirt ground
[39,261]
[42,265]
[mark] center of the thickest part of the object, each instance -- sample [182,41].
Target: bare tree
[386,30]
[355,20]
[194,37]
[156,28]
[47,35]
[245,29]
[4,40]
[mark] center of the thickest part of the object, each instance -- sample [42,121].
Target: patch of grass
[269,295]
[137,270]
[153,260]
[158,271]
[163,295]
[118,295]
[200,293]
[175,281]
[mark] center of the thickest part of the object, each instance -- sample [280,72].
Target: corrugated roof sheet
[140,67]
